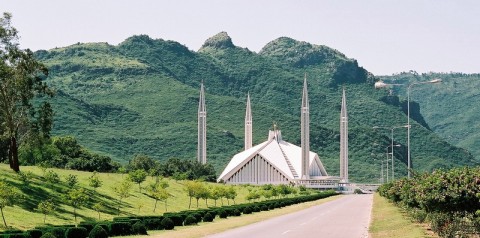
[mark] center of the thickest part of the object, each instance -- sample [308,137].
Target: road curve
[348,216]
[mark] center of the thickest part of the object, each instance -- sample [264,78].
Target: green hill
[141,97]
[449,108]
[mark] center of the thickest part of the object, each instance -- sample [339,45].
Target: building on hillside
[276,161]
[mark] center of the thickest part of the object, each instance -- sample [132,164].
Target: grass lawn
[389,221]
[24,215]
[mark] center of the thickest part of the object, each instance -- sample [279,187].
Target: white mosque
[276,161]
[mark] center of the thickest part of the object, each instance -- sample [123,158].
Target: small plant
[94,181]
[8,197]
[98,208]
[46,207]
[51,177]
[223,214]
[71,180]
[25,177]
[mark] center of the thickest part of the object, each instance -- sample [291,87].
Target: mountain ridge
[151,96]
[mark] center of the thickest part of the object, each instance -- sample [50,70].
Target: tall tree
[21,80]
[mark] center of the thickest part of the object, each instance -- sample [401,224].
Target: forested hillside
[450,108]
[141,97]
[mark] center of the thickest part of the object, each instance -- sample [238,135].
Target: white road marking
[285,232]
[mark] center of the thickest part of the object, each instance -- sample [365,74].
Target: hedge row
[133,225]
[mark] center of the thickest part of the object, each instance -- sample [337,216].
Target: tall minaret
[344,140]
[202,128]
[248,125]
[305,132]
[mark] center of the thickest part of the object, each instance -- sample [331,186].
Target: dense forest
[141,97]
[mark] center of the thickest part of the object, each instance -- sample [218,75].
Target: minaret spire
[305,125]
[248,125]
[344,140]
[202,128]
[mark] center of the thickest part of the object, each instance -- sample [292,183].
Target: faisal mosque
[276,161]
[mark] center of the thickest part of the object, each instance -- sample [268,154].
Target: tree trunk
[44,218]
[197,202]
[190,203]
[4,222]
[155,207]
[13,154]
[165,204]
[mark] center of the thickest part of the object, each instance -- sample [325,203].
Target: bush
[88,226]
[256,208]
[190,220]
[223,214]
[167,223]
[58,232]
[98,232]
[247,210]
[35,233]
[154,223]
[208,217]
[139,228]
[120,229]
[264,207]
[177,219]
[48,235]
[17,235]
[236,212]
[76,232]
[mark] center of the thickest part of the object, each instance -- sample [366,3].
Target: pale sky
[385,36]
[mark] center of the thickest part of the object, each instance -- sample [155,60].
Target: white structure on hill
[202,128]
[344,140]
[276,161]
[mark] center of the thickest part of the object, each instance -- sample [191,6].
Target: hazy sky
[385,36]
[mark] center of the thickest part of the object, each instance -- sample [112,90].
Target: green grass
[24,216]
[388,221]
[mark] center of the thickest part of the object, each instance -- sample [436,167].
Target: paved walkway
[348,216]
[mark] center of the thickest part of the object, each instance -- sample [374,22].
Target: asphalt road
[348,216]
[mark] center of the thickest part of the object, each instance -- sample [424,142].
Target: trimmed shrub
[35,233]
[236,212]
[190,220]
[58,232]
[167,223]
[98,232]
[223,214]
[177,219]
[48,235]
[139,228]
[208,217]
[198,216]
[120,229]
[17,235]
[76,232]
[256,208]
[154,223]
[264,207]
[247,210]
[88,226]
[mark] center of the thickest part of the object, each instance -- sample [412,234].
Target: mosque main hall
[276,161]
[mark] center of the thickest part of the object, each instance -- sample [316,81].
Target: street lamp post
[381,84]
[391,145]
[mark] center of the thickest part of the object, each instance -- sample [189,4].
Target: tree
[76,198]
[231,194]
[138,176]
[71,180]
[8,197]
[158,191]
[98,208]
[46,207]
[216,193]
[21,80]
[192,187]
[94,181]
[122,190]
[141,162]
